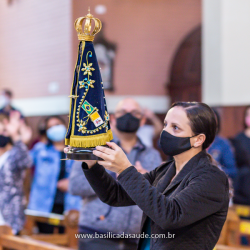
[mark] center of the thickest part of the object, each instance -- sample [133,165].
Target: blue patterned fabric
[12,172]
[47,169]
[221,150]
[88,118]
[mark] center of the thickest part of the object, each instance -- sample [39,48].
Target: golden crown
[87,35]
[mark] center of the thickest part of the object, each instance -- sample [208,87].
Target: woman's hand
[114,158]
[63,185]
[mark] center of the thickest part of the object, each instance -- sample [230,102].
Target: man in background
[146,132]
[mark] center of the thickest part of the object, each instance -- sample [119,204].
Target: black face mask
[127,123]
[173,145]
[4,140]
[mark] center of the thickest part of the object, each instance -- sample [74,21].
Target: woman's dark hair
[3,117]
[8,93]
[202,120]
[245,114]
[53,117]
[217,119]
[41,127]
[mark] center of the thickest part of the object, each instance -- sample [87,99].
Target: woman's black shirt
[193,207]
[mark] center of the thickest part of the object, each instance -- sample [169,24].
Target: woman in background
[14,160]
[222,151]
[49,190]
[241,144]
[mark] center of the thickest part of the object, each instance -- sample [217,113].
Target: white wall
[226,52]
[211,49]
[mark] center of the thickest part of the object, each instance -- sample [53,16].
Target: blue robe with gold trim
[88,118]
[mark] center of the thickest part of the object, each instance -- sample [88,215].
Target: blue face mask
[56,133]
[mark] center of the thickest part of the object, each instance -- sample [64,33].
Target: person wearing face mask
[221,150]
[185,199]
[146,133]
[125,122]
[5,102]
[241,145]
[14,160]
[97,217]
[49,190]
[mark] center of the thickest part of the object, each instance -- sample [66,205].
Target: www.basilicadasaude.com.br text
[110,235]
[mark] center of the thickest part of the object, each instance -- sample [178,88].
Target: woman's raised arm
[107,188]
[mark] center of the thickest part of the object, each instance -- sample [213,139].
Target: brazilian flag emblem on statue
[88,118]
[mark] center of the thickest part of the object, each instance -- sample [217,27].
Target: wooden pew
[56,239]
[235,227]
[68,220]
[32,217]
[242,210]
[9,241]
[71,219]
[230,234]
[223,247]
[244,227]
